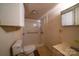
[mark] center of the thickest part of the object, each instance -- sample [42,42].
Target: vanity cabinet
[70,16]
[56,52]
[11,14]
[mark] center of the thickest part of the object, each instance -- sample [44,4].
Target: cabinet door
[77,16]
[11,14]
[56,52]
[68,18]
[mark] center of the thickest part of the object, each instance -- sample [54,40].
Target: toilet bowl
[28,50]
[25,50]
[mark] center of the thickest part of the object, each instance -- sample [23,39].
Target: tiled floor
[44,51]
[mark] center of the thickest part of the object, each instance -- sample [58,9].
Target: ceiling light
[34,12]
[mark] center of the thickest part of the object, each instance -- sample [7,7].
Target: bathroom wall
[7,38]
[54,33]
[8,33]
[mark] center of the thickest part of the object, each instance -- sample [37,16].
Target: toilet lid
[29,49]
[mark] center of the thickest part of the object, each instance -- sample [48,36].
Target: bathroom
[39,29]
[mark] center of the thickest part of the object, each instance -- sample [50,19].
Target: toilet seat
[29,49]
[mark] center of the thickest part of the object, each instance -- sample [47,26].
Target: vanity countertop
[65,49]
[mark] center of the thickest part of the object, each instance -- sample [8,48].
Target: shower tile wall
[31,32]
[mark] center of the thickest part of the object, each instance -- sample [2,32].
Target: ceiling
[36,10]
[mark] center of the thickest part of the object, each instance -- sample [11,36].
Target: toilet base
[22,54]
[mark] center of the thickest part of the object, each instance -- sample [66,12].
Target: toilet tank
[17,47]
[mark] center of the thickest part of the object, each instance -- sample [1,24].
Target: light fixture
[34,12]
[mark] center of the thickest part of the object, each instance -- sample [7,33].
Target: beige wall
[7,36]
[54,33]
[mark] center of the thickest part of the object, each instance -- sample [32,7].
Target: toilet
[18,50]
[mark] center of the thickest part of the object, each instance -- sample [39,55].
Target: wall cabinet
[11,14]
[70,16]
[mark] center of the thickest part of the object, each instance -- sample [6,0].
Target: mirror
[68,19]
[70,16]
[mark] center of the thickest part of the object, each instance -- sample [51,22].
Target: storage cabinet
[11,14]
[70,16]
